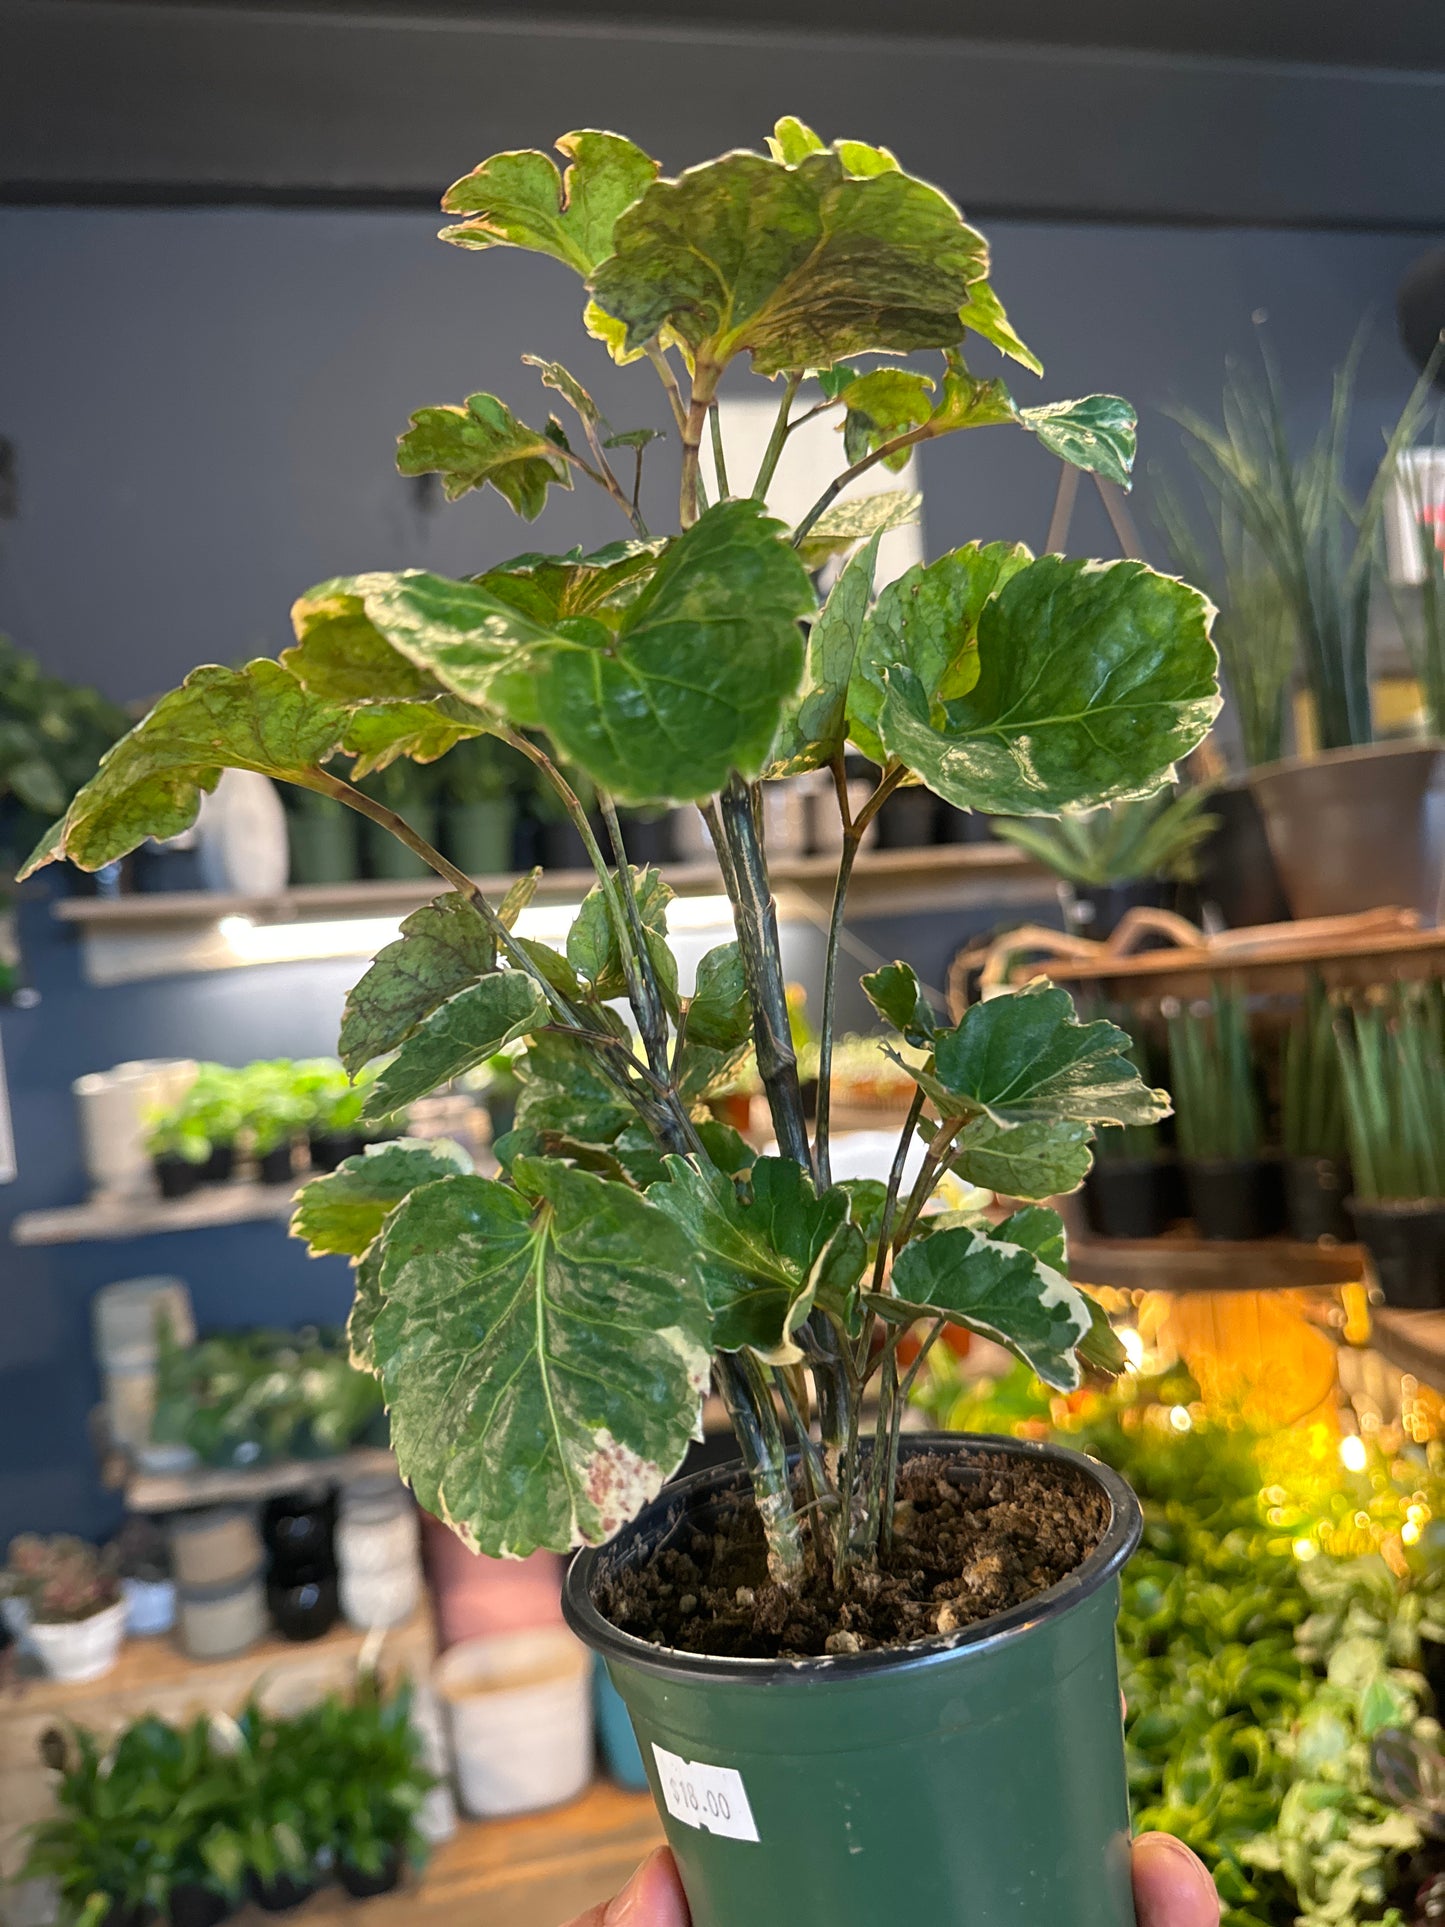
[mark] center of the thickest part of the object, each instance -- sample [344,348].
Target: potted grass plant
[71,1612]
[807,1651]
[1312,1123]
[1233,1185]
[1393,1070]
[1133,1189]
[1111,860]
[1360,822]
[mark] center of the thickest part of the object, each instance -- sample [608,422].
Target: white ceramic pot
[112,1106]
[378,1545]
[80,1649]
[15,1616]
[371,1600]
[150,1606]
[520,1711]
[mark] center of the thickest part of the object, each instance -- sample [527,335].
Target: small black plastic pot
[1096,910]
[331,1148]
[220,1166]
[275,1165]
[1021,1711]
[1315,1190]
[192,1904]
[908,820]
[299,1528]
[177,1177]
[1131,1197]
[366,1886]
[280,1895]
[303,1604]
[1406,1243]
[502,1113]
[1235,1197]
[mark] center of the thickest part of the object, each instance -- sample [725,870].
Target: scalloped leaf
[1044,1159]
[455,1037]
[1100,433]
[151,782]
[895,993]
[521,200]
[719,1015]
[801,264]
[1092,679]
[814,721]
[854,519]
[543,1352]
[481,441]
[443,947]
[344,1210]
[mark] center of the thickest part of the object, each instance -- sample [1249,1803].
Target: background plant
[1392,1060]
[1312,1110]
[1215,1080]
[61,1579]
[1422,618]
[675,669]
[52,733]
[248,1397]
[1156,838]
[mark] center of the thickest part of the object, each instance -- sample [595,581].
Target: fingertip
[1172,1887]
[653,1897]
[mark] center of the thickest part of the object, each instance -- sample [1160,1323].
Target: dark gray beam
[145,101]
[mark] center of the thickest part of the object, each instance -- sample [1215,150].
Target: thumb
[652,1898]
[1172,1887]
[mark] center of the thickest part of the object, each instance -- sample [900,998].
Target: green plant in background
[481,770]
[1422,618]
[273,1103]
[52,735]
[252,1397]
[370,1753]
[1254,630]
[1156,838]
[1130,1142]
[1392,1063]
[1295,511]
[684,668]
[1215,1080]
[1312,1111]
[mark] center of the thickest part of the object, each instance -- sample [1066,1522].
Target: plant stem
[834,488]
[692,498]
[852,839]
[754,1417]
[657,355]
[776,440]
[757,925]
[609,481]
[647,1002]
[719,459]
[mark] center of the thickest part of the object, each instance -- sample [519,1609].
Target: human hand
[1171,1889]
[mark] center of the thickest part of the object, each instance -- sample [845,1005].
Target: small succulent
[63,1578]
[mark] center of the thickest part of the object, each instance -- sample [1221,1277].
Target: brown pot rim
[1356,753]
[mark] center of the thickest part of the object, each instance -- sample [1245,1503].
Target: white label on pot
[710,1797]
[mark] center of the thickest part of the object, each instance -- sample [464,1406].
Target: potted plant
[1312,1123]
[410,791]
[1233,1186]
[72,1613]
[96,1848]
[1257,644]
[379,1784]
[179,1150]
[1393,1070]
[1112,860]
[52,735]
[1133,1188]
[211,1109]
[479,777]
[544,1339]
[334,1103]
[1360,823]
[274,1112]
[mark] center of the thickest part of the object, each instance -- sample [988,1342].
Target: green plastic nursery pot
[975,1778]
[479,836]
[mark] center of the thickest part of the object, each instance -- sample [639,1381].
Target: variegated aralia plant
[545,1337]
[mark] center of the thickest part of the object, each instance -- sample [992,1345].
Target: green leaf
[481,441]
[927,621]
[1037,1230]
[728,1149]
[1044,1159]
[442,948]
[1024,1057]
[564,1091]
[792,142]
[984,313]
[718,1013]
[151,782]
[550,587]
[1002,1291]
[854,519]
[1093,677]
[518,897]
[520,199]
[894,992]
[457,1036]
[766,1259]
[882,405]
[344,1210]
[554,375]
[813,723]
[552,966]
[1100,1350]
[693,684]
[543,1356]
[593,949]
[379,733]
[969,401]
[704,1071]
[340,654]
[803,264]
[1097,433]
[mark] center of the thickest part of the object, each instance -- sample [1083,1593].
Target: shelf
[224,1484]
[118,1218]
[129,938]
[1412,1341]
[1185,1263]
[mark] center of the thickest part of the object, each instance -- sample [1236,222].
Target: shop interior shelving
[1184,1263]
[141,935]
[118,1218]
[158,1492]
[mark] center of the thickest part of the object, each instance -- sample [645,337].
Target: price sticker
[711,1798]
